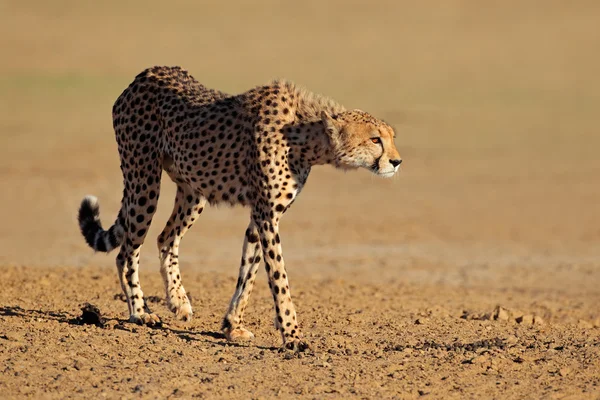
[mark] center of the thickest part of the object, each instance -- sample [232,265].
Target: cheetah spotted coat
[254,149]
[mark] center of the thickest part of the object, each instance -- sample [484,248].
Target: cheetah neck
[309,144]
[309,136]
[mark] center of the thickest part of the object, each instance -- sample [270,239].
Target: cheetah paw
[296,345]
[184,312]
[238,334]
[181,307]
[148,319]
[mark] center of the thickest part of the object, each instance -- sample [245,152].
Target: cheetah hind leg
[133,299]
[188,206]
[233,322]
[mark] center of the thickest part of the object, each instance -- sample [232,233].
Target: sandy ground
[473,274]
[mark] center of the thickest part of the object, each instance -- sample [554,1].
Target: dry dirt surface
[473,274]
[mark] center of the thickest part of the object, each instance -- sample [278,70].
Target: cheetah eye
[376,140]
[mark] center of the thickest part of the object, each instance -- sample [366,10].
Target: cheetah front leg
[233,324]
[285,313]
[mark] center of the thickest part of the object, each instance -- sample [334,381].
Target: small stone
[500,314]
[537,320]
[120,296]
[10,337]
[564,371]
[526,319]
[511,340]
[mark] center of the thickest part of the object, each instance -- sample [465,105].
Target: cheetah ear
[329,124]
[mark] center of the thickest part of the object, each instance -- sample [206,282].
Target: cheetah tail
[91,228]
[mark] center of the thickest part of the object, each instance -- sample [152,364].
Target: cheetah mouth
[383,174]
[387,174]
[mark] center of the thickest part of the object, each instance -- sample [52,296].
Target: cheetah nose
[395,163]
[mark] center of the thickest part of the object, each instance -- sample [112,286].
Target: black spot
[226,324]
[252,237]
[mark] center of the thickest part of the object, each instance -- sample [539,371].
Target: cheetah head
[360,140]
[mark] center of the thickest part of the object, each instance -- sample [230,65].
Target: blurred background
[496,106]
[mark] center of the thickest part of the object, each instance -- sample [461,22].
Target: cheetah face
[361,141]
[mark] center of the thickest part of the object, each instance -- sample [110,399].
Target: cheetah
[254,149]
